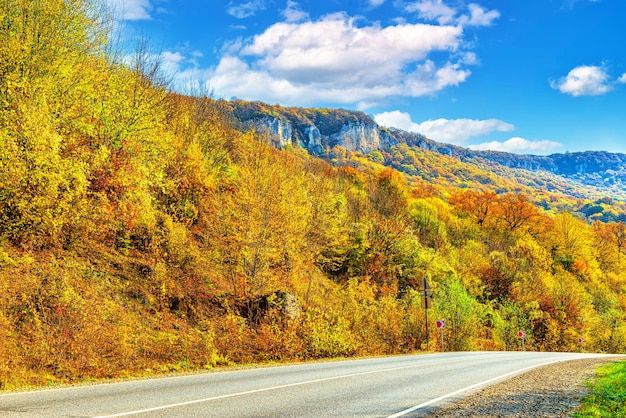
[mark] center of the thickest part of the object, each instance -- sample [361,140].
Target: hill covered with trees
[591,174]
[144,232]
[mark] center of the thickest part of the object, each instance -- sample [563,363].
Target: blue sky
[532,76]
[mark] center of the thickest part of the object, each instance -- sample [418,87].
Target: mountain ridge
[319,130]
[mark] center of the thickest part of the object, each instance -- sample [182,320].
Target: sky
[523,76]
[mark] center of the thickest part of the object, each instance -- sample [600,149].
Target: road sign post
[441,324]
[427,337]
[522,336]
[427,295]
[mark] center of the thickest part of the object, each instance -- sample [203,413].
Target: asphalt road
[379,387]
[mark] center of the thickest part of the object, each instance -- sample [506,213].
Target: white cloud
[451,131]
[438,11]
[343,60]
[622,79]
[395,119]
[585,80]
[247,9]
[433,10]
[131,9]
[171,62]
[520,146]
[293,13]
[480,17]
[469,58]
[459,131]
[335,60]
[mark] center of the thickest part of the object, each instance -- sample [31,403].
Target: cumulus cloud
[585,80]
[339,59]
[459,131]
[433,10]
[480,17]
[246,9]
[131,9]
[395,119]
[438,11]
[520,146]
[451,131]
[293,13]
[335,60]
[622,79]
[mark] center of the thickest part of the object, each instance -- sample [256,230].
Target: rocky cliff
[316,130]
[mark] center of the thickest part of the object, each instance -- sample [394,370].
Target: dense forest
[142,233]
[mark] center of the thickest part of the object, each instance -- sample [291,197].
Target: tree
[610,242]
[260,221]
[515,211]
[479,206]
[45,47]
[498,277]
[328,233]
[463,315]
[428,224]
[389,194]
[573,244]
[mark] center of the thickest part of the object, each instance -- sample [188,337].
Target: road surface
[380,387]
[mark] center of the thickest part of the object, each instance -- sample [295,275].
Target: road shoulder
[554,390]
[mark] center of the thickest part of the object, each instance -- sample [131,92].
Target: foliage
[144,232]
[608,393]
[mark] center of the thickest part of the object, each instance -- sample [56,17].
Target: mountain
[590,174]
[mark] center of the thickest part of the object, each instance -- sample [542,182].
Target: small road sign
[441,324]
[522,336]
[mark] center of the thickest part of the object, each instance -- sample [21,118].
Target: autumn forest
[143,232]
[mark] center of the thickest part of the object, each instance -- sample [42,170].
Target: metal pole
[442,346]
[426,286]
[427,339]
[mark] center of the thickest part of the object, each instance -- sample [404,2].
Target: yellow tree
[610,241]
[44,47]
[260,220]
[573,245]
[389,193]
[329,229]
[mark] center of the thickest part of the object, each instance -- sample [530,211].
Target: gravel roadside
[549,391]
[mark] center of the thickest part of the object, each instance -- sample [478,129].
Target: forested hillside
[595,175]
[142,233]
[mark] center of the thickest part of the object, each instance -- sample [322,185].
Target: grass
[608,393]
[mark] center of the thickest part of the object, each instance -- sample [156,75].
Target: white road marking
[249,392]
[456,392]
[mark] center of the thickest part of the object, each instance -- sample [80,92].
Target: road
[379,387]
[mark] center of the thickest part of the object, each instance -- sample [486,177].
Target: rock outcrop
[353,136]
